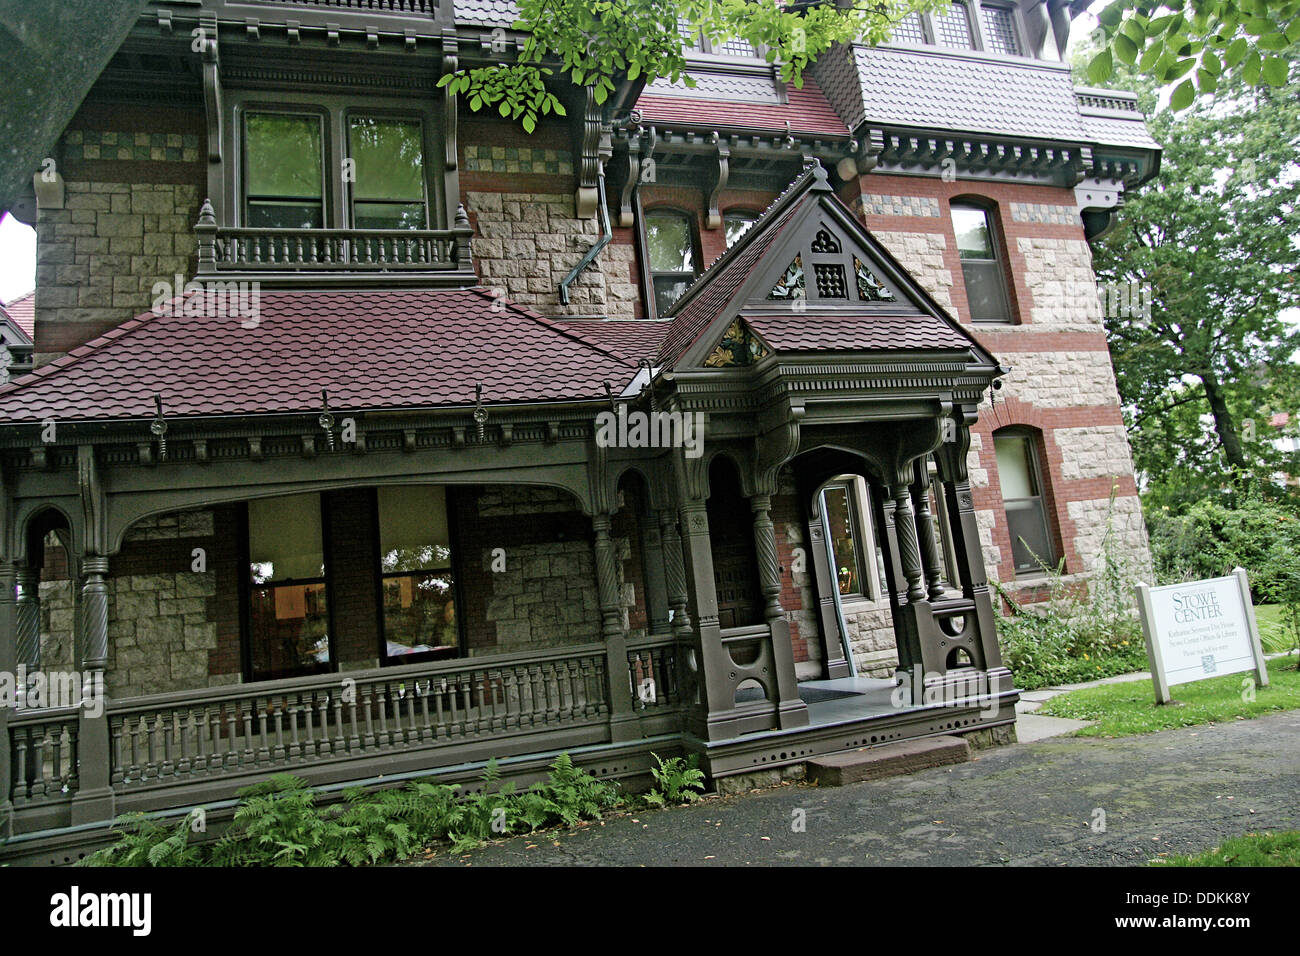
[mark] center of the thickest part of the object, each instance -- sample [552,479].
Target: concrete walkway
[1071,801]
[1031,726]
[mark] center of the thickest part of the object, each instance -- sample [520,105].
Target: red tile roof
[23,311]
[374,349]
[854,333]
[806,110]
[632,339]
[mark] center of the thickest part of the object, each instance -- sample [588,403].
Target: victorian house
[373,437]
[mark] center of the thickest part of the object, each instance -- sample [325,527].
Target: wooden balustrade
[325,250]
[653,668]
[282,724]
[43,755]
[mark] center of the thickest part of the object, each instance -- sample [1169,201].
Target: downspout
[606,234]
[835,584]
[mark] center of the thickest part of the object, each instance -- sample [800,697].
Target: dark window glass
[981,269]
[415,564]
[672,256]
[284,162]
[288,619]
[952,27]
[389,188]
[999,30]
[842,520]
[736,225]
[1022,499]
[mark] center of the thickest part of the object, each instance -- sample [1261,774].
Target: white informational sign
[1200,629]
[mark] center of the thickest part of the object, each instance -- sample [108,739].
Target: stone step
[888,760]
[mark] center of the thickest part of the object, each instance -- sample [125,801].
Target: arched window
[981,263]
[1021,475]
[670,244]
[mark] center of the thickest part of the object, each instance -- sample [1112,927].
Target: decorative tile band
[523,159]
[876,205]
[1042,212]
[109,144]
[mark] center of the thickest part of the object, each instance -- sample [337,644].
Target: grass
[1130,708]
[1253,849]
[1273,634]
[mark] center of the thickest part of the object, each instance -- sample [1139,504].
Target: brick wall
[353,557]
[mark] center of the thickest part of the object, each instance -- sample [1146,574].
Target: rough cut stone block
[889,760]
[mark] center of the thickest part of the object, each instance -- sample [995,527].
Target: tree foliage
[1199,43]
[1212,241]
[596,43]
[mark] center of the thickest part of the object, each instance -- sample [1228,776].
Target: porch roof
[415,348]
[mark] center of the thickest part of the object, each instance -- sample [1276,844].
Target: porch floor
[855,698]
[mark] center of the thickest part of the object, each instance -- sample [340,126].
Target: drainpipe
[606,234]
[835,584]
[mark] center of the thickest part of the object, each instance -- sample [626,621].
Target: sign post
[1200,629]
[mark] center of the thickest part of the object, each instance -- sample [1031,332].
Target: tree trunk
[1224,426]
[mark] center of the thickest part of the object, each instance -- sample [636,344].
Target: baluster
[56,757]
[36,768]
[383,248]
[440,728]
[554,703]
[115,735]
[308,719]
[298,250]
[295,742]
[325,746]
[455,727]
[264,748]
[426,731]
[133,730]
[185,724]
[511,705]
[74,755]
[490,686]
[166,727]
[201,729]
[354,743]
[20,789]
[150,734]
[231,757]
[249,755]
[538,699]
[468,704]
[370,720]
[340,741]
[396,693]
[385,739]
[277,711]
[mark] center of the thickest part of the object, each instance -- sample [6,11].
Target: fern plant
[145,842]
[679,780]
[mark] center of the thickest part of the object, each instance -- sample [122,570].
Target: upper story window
[284,171]
[952,27]
[736,224]
[670,242]
[694,41]
[389,191]
[981,264]
[910,29]
[999,25]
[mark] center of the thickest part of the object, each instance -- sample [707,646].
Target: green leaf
[1258,26]
[1206,81]
[1181,68]
[1273,41]
[529,123]
[1250,69]
[1293,31]
[1183,96]
[1125,49]
[1102,67]
[1150,55]
[1275,71]
[1236,52]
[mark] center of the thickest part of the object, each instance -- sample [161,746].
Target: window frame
[974,10]
[1017,34]
[999,261]
[693,238]
[457,587]
[1034,462]
[349,188]
[243,197]
[246,588]
[867,547]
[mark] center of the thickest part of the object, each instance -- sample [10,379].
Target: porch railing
[324,250]
[654,665]
[280,725]
[43,755]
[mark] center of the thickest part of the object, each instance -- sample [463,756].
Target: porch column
[8,665]
[93,801]
[28,617]
[652,574]
[925,529]
[835,663]
[712,661]
[791,710]
[674,573]
[622,719]
[909,552]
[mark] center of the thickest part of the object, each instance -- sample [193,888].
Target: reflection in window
[736,225]
[1022,500]
[952,27]
[986,291]
[389,189]
[283,171]
[415,564]
[672,256]
[845,537]
[288,620]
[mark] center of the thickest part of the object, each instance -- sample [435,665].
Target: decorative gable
[830,270]
[739,348]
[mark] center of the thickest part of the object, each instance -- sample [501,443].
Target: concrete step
[888,760]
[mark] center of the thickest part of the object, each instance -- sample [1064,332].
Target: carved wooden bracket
[587,197]
[713,218]
[94,505]
[212,104]
[626,217]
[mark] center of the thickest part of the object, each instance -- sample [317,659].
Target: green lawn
[1253,849]
[1123,709]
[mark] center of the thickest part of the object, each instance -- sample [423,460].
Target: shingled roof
[737,283]
[805,110]
[22,311]
[373,349]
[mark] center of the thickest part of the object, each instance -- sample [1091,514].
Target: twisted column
[28,617]
[925,531]
[94,615]
[769,568]
[909,552]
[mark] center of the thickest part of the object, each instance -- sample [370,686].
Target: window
[288,609]
[736,224]
[1022,500]
[389,189]
[415,557]
[909,30]
[846,539]
[693,41]
[999,30]
[283,170]
[671,247]
[986,292]
[952,27]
